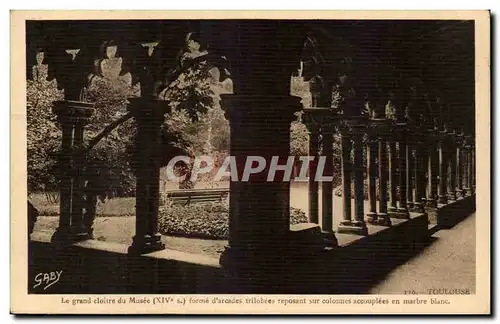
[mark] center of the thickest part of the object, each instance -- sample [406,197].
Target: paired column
[420,157]
[402,210]
[327,186]
[149,116]
[410,170]
[383,216]
[377,146]
[452,161]
[443,170]
[371,151]
[393,158]
[356,225]
[313,188]
[468,167]
[72,115]
[459,167]
[432,172]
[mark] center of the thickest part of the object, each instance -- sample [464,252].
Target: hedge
[205,220]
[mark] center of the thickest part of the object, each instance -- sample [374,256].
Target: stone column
[327,186]
[443,197]
[346,181]
[382,132]
[403,185]
[313,188]
[410,170]
[432,172]
[473,167]
[72,115]
[149,115]
[452,160]
[393,208]
[357,225]
[371,149]
[418,205]
[466,171]
[459,166]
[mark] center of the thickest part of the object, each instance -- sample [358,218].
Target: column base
[410,205]
[468,191]
[443,200]
[144,244]
[371,217]
[459,194]
[431,202]
[400,213]
[352,227]
[392,209]
[383,219]
[418,207]
[70,235]
[330,239]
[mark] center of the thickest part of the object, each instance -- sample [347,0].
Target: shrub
[204,220]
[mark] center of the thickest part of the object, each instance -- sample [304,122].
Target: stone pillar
[410,170]
[258,213]
[346,181]
[383,216]
[473,167]
[443,197]
[327,186]
[466,171]
[432,172]
[393,208]
[403,185]
[452,189]
[313,184]
[459,166]
[149,115]
[72,115]
[418,205]
[371,149]
[357,225]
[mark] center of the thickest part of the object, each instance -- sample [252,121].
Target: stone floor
[449,262]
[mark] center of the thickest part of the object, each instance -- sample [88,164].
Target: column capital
[242,106]
[73,111]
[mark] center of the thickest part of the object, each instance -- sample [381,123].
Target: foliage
[205,220]
[43,135]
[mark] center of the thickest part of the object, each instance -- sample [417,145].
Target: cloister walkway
[449,262]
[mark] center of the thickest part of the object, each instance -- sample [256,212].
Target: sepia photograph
[273,161]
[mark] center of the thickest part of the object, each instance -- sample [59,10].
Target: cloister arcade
[403,91]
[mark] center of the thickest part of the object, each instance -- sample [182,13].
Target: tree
[43,135]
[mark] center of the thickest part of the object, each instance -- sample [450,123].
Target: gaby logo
[270,169]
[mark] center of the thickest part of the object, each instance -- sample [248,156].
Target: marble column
[467,165]
[418,205]
[346,181]
[357,225]
[403,185]
[393,208]
[313,188]
[459,166]
[383,216]
[473,167]
[327,186]
[149,115]
[452,189]
[410,169]
[432,172]
[371,149]
[72,115]
[443,197]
